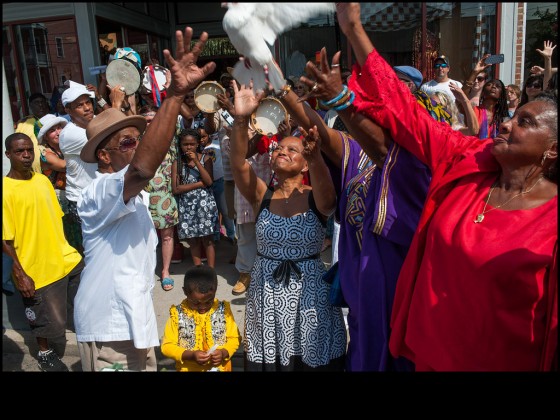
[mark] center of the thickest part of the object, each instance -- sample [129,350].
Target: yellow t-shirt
[32,218]
[28,127]
[206,327]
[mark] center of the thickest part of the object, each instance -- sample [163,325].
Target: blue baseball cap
[410,73]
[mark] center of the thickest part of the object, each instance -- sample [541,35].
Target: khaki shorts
[98,355]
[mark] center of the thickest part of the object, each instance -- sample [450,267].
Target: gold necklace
[480,217]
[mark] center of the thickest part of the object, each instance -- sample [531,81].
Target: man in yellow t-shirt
[29,125]
[46,269]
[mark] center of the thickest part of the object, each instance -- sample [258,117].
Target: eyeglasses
[481,78]
[534,85]
[442,65]
[125,145]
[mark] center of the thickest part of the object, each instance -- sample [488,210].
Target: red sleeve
[549,359]
[381,96]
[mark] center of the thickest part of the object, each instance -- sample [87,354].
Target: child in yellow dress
[201,334]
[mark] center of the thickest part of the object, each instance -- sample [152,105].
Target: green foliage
[546,29]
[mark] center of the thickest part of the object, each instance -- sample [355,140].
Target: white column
[7,121]
[508,39]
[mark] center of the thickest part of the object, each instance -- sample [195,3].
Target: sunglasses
[481,79]
[535,85]
[442,65]
[125,145]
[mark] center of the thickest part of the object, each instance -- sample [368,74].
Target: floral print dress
[198,212]
[163,206]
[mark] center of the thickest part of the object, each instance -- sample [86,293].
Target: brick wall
[520,57]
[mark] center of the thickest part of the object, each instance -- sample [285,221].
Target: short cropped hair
[34,96]
[200,278]
[13,137]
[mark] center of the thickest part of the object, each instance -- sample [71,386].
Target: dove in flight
[252,27]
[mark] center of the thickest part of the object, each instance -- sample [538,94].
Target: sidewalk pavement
[19,348]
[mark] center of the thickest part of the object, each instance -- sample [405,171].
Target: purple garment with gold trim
[379,212]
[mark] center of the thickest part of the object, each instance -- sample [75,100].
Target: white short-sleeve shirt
[78,173]
[114,300]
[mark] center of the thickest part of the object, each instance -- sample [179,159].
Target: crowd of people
[439,200]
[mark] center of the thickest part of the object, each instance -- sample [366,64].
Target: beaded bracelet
[347,104]
[337,98]
[284,91]
[343,100]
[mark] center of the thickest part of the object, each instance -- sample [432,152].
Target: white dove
[251,26]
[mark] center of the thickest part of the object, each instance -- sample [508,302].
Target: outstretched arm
[351,26]
[380,96]
[479,66]
[472,126]
[320,177]
[159,134]
[248,183]
[374,140]
[546,53]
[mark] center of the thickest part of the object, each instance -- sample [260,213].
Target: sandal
[167,284]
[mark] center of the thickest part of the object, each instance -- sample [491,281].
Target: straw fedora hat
[105,124]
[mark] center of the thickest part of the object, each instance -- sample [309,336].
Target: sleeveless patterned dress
[289,321]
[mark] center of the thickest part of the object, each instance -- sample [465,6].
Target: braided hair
[501,106]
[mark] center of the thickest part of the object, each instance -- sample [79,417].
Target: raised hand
[311,144]
[327,82]
[283,130]
[246,102]
[225,103]
[458,93]
[185,74]
[546,52]
[481,64]
[117,96]
[536,70]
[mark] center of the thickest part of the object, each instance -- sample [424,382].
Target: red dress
[470,296]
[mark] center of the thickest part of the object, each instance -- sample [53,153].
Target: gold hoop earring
[545,156]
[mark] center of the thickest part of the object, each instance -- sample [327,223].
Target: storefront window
[461,31]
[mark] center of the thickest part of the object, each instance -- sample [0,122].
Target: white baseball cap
[74,92]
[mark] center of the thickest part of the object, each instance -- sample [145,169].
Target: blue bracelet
[347,104]
[337,98]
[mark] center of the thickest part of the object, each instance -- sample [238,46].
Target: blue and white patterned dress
[197,208]
[290,323]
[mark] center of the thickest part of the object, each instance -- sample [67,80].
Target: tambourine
[206,96]
[148,82]
[124,73]
[268,116]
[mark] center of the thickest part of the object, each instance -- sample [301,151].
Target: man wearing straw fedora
[114,312]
